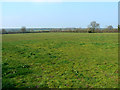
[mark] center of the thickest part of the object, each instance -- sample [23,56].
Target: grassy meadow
[60,60]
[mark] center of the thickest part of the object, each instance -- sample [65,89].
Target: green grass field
[60,60]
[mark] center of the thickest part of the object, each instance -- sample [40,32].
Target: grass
[60,60]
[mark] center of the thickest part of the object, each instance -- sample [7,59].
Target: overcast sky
[59,14]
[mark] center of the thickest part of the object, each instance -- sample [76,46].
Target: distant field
[60,60]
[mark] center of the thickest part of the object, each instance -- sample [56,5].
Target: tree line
[93,27]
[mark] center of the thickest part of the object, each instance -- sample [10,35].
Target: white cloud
[59,0]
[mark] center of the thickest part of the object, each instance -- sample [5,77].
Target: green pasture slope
[60,60]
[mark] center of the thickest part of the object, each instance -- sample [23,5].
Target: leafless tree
[4,31]
[93,26]
[23,29]
[110,27]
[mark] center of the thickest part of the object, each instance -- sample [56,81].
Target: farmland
[60,60]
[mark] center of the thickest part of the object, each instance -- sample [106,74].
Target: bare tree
[4,31]
[23,29]
[93,26]
[31,30]
[78,29]
[110,27]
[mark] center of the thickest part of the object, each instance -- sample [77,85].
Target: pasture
[60,60]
